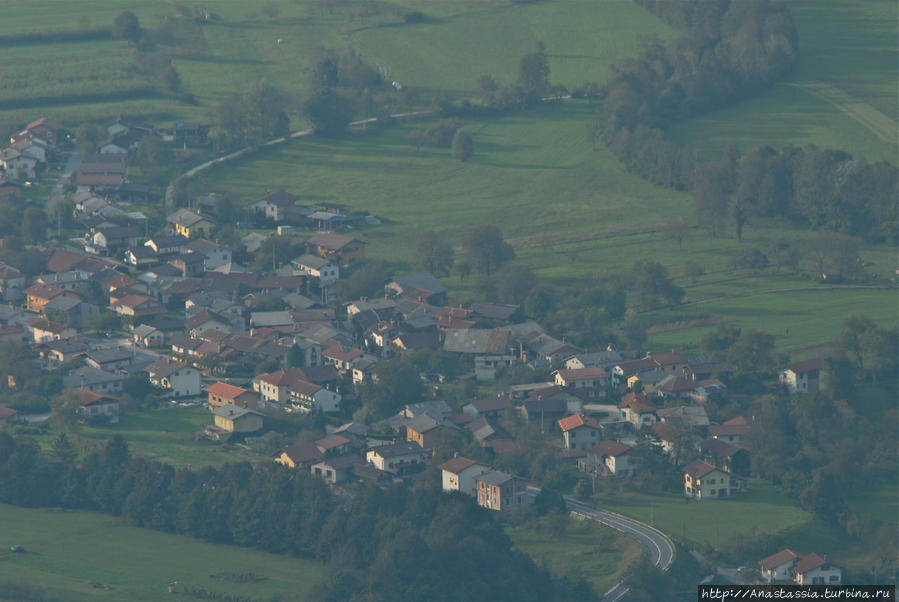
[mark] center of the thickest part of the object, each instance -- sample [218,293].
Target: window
[834,578]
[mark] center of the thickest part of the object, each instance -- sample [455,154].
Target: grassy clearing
[842,95]
[166,435]
[762,509]
[587,550]
[67,550]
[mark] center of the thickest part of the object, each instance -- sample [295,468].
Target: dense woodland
[389,543]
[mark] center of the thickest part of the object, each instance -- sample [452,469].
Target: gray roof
[422,280]
[474,340]
[313,261]
[403,448]
[495,477]
[262,319]
[233,412]
[102,356]
[62,303]
[87,376]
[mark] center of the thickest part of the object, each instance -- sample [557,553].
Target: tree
[487,89]
[34,225]
[325,74]
[433,253]
[126,27]
[513,282]
[693,271]
[152,152]
[397,383]
[60,212]
[487,249]
[463,270]
[677,230]
[751,352]
[463,146]
[712,188]
[295,357]
[417,139]
[651,282]
[87,136]
[533,74]
[329,112]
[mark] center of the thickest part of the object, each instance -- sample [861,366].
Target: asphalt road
[658,545]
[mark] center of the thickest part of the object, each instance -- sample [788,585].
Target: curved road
[658,545]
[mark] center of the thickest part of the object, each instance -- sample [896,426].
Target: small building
[706,481]
[580,432]
[422,285]
[732,431]
[311,397]
[488,407]
[426,431]
[803,377]
[109,359]
[813,569]
[181,379]
[222,394]
[608,457]
[93,379]
[501,491]
[487,366]
[342,250]
[777,567]
[189,223]
[317,267]
[338,469]
[95,404]
[459,474]
[38,295]
[637,409]
[276,206]
[233,419]
[148,336]
[397,458]
[299,455]
[595,378]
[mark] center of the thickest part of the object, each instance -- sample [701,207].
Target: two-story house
[803,377]
[459,474]
[706,481]
[609,457]
[501,491]
[580,432]
[342,250]
[397,458]
[181,379]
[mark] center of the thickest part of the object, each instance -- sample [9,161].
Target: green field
[67,551]
[843,93]
[587,550]
[166,435]
[762,509]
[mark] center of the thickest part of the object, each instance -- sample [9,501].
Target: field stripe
[869,117]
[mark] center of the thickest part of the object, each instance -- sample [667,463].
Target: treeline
[57,37]
[727,51]
[379,544]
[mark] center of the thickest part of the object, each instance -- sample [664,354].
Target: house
[638,410]
[501,491]
[418,285]
[300,455]
[500,312]
[73,312]
[188,265]
[233,419]
[38,295]
[488,407]
[12,283]
[310,397]
[18,165]
[669,363]
[480,341]
[317,267]
[47,129]
[137,306]
[579,432]
[543,350]
[673,441]
[728,456]
[184,381]
[43,331]
[547,405]
[813,569]
[412,341]
[608,457]
[338,469]
[168,245]
[732,431]
[276,205]
[189,223]
[214,255]
[222,394]
[426,431]
[8,415]
[109,359]
[342,250]
[93,379]
[95,404]
[778,567]
[107,240]
[341,356]
[803,377]
[688,417]
[333,444]
[274,386]
[397,458]
[805,569]
[459,474]
[604,359]
[594,379]
[146,335]
[706,481]
[207,320]
[486,367]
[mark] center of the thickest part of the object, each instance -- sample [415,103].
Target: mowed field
[69,555]
[570,211]
[843,93]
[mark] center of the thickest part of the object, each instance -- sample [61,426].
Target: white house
[398,458]
[317,267]
[310,397]
[181,379]
[803,377]
[777,567]
[813,569]
[459,474]
[609,457]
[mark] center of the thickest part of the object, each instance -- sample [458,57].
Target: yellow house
[190,223]
[237,420]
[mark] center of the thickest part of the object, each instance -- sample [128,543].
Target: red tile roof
[90,397]
[610,447]
[225,390]
[6,412]
[775,560]
[331,441]
[637,402]
[458,464]
[43,291]
[577,420]
[491,404]
[809,562]
[698,469]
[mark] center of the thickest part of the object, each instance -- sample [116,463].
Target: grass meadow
[842,94]
[587,550]
[68,551]
[762,509]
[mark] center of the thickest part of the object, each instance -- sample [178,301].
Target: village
[175,307]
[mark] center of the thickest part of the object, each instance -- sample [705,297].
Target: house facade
[459,474]
[706,481]
[501,491]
